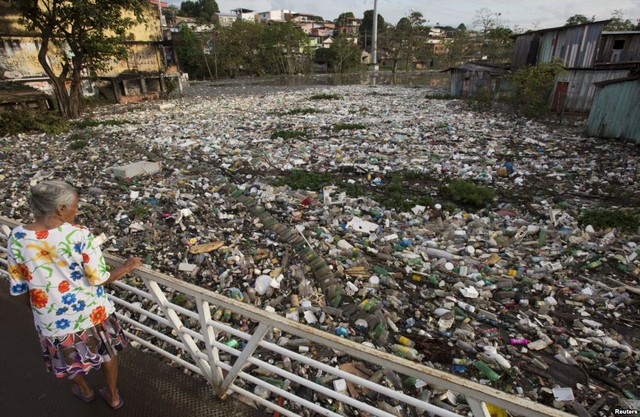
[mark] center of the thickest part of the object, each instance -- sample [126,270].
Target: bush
[22,121]
[287,134]
[467,193]
[82,124]
[348,126]
[624,220]
[532,86]
[325,96]
[306,110]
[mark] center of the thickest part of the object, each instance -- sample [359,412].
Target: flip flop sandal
[104,395]
[75,390]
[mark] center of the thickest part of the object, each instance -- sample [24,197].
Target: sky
[529,14]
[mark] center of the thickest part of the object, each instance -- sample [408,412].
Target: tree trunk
[58,82]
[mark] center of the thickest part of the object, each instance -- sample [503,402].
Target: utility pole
[374,38]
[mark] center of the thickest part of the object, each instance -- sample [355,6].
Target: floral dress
[63,273]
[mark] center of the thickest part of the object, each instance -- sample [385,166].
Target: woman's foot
[85,395]
[114,402]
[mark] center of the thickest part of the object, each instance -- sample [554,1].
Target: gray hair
[47,196]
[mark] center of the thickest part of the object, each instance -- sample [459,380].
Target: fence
[193,328]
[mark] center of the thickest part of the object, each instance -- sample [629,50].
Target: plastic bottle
[404,351]
[405,341]
[486,371]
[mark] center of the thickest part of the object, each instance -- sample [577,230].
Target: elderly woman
[56,268]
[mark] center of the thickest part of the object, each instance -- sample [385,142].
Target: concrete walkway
[148,386]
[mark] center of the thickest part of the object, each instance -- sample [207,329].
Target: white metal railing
[189,336]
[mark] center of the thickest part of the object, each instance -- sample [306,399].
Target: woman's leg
[81,382]
[110,370]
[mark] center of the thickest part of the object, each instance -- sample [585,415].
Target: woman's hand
[132,263]
[128,266]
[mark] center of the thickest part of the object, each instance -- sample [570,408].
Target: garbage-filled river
[476,243]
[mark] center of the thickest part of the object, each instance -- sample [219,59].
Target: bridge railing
[232,345]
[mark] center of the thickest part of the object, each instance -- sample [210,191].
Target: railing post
[210,335]
[176,323]
[241,362]
[478,408]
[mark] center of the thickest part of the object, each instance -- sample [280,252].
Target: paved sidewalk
[148,386]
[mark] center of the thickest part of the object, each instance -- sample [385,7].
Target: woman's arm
[129,265]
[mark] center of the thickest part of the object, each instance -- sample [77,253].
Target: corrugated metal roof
[622,32]
[558,28]
[619,80]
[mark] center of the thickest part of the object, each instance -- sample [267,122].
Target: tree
[499,45]
[190,51]
[84,35]
[403,41]
[204,10]
[579,19]
[458,46]
[366,28]
[343,55]
[342,19]
[281,48]
[486,21]
[619,23]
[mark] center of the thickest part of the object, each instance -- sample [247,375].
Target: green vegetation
[22,121]
[439,96]
[305,110]
[348,126]
[78,144]
[302,180]
[140,210]
[466,193]
[396,196]
[325,96]
[624,220]
[287,134]
[88,35]
[82,124]
[533,85]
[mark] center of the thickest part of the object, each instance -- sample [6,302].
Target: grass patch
[466,193]
[287,134]
[439,96]
[18,121]
[325,96]
[78,144]
[140,211]
[302,180]
[348,126]
[624,220]
[82,124]
[305,110]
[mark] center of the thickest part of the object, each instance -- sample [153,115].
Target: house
[470,79]
[618,48]
[579,48]
[615,112]
[274,16]
[225,20]
[350,27]
[144,74]
[245,14]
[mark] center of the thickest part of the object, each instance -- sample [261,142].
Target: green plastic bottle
[486,371]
